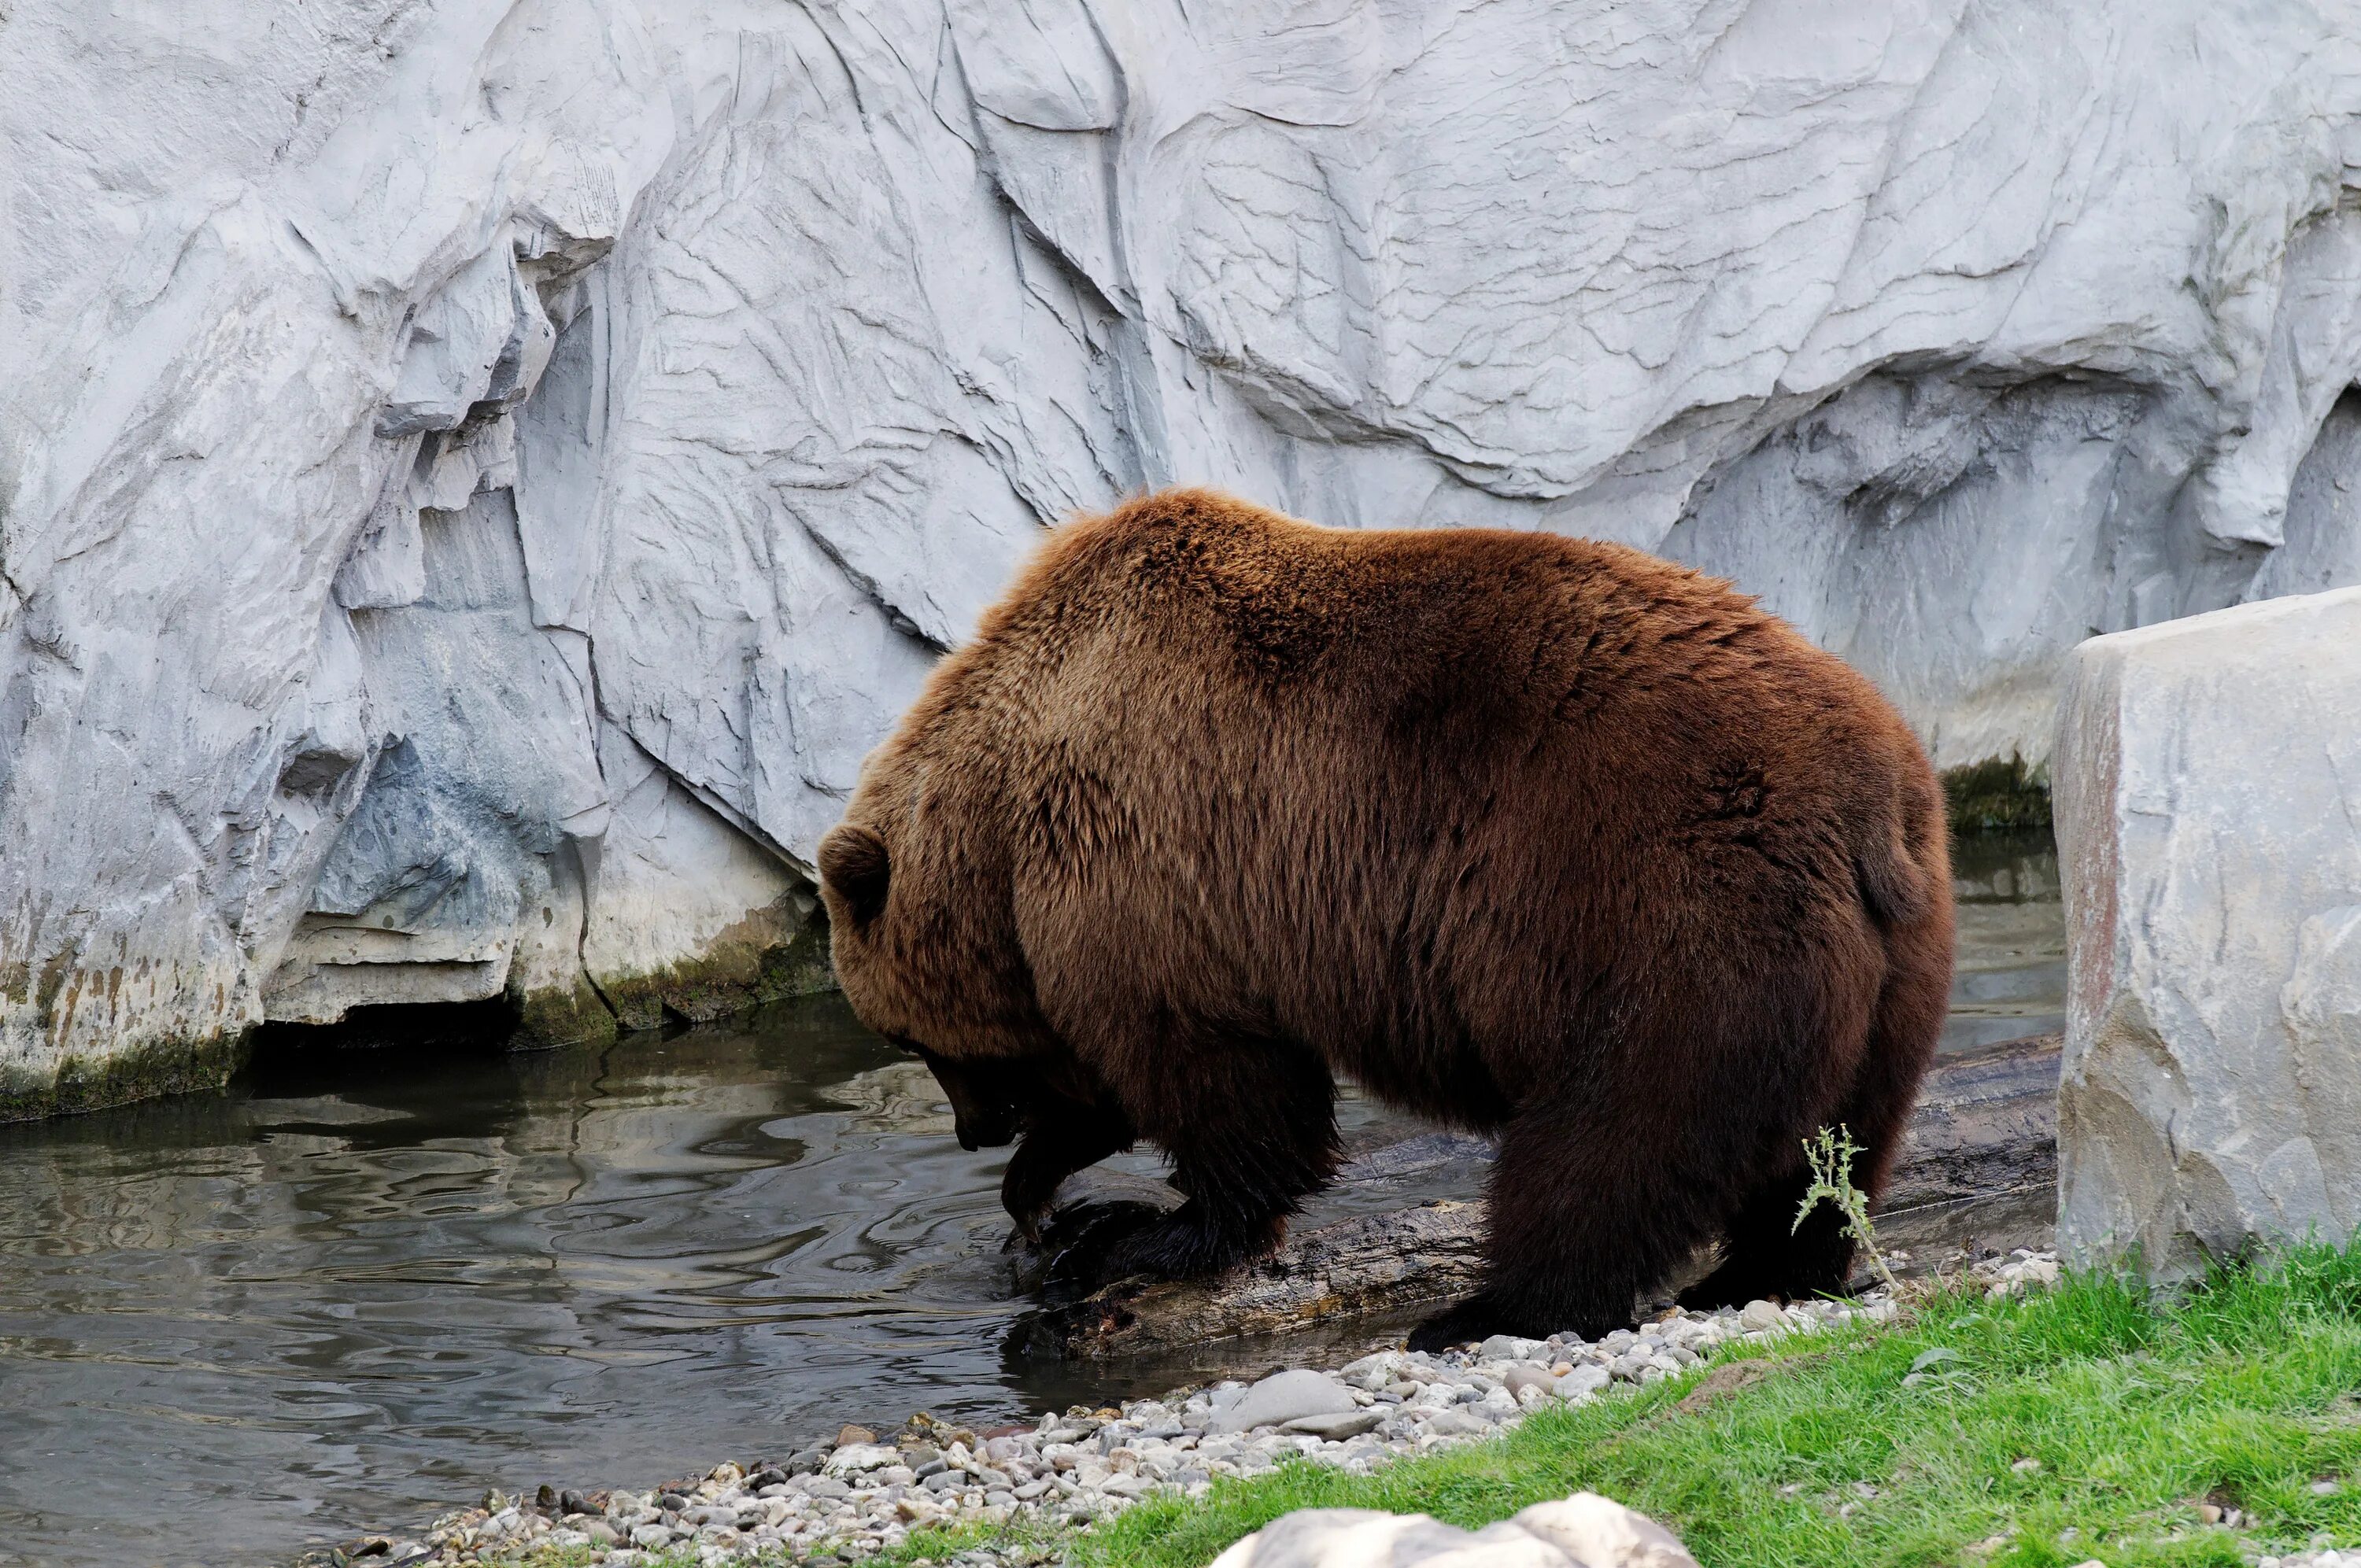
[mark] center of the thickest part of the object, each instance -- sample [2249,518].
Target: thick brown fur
[1530,834]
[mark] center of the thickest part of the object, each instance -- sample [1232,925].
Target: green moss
[768,957]
[555,1017]
[1998,793]
[799,967]
[170,1066]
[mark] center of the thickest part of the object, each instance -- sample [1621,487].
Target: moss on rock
[1998,793]
[155,1067]
[771,955]
[553,1017]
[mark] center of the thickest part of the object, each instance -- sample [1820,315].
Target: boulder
[2209,824]
[1585,1531]
[1604,1533]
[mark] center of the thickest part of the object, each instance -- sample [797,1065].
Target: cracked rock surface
[476,476]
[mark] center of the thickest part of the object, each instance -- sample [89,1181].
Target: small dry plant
[1831,1154]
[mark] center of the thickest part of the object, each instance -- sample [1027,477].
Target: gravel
[862,1494]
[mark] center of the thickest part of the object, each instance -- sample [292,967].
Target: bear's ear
[853,860]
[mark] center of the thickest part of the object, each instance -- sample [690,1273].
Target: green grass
[2137,1407]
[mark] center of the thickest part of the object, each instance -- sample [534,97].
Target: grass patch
[2132,1406]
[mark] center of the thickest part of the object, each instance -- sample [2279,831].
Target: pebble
[1583,1382]
[1459,1423]
[865,1493]
[2025,1270]
[1507,1347]
[852,1457]
[1524,1375]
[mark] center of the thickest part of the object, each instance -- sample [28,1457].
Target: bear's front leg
[1251,1126]
[1060,1139]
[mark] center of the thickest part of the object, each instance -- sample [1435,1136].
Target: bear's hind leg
[1251,1127]
[1580,1222]
[1766,1254]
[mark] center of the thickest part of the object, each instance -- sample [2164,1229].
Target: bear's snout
[984,1114]
[992,1131]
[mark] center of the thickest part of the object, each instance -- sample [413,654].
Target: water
[361,1285]
[2008,979]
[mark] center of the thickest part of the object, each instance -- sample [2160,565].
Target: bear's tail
[1903,864]
[1908,894]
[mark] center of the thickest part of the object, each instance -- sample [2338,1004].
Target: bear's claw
[1187,1243]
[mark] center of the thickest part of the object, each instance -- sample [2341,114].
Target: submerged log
[1980,1159]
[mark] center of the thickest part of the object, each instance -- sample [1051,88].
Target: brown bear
[1525,833]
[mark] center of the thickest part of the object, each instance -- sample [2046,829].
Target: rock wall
[2209,790]
[475,476]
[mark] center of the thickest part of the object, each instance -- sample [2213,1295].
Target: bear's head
[920,925]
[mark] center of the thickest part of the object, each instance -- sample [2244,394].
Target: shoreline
[868,1494]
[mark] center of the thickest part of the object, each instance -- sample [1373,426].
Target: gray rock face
[475,477]
[2208,789]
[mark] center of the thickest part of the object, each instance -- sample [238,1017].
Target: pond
[362,1284]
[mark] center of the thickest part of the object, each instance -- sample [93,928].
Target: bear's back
[1439,803]
[1342,730]
[1470,637]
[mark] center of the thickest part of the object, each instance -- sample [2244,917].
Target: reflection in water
[2010,976]
[350,1291]
[361,1285]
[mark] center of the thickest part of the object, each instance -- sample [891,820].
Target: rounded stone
[1285,1396]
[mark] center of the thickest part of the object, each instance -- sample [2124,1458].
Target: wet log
[1980,1160]
[1368,1266]
[1979,1164]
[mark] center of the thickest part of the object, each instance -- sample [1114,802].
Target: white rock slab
[852,1458]
[1585,1531]
[2209,819]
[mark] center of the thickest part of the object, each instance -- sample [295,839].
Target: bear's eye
[855,866]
